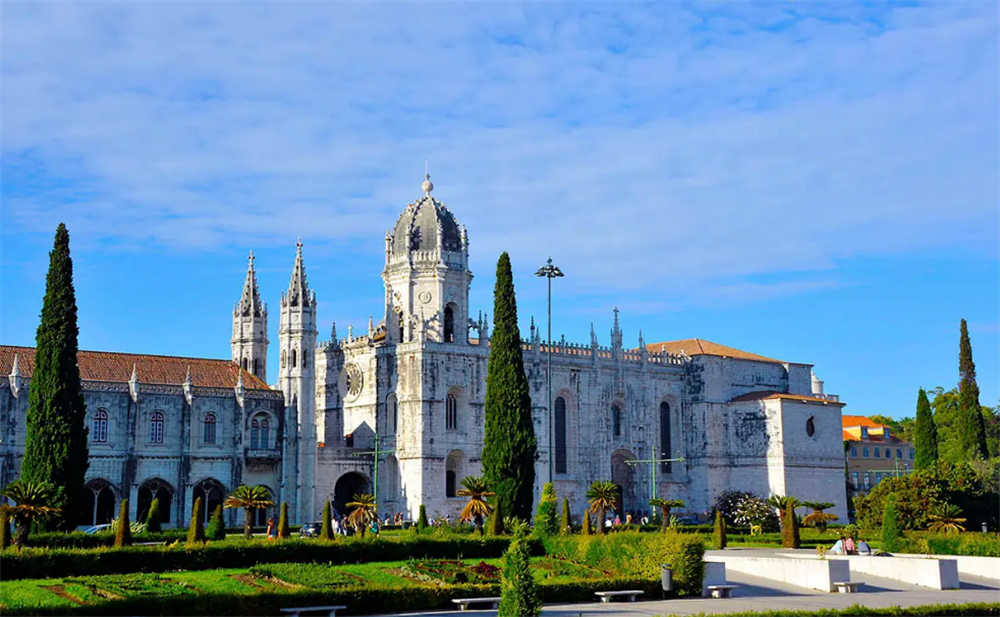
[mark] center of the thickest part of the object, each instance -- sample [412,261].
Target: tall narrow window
[259,428]
[560,435]
[665,436]
[616,420]
[293,359]
[156,427]
[449,483]
[244,364]
[449,325]
[451,413]
[210,428]
[100,434]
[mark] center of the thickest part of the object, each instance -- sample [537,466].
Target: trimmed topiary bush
[123,534]
[422,519]
[546,523]
[565,525]
[719,533]
[790,528]
[891,533]
[196,530]
[216,527]
[585,529]
[326,531]
[153,523]
[283,530]
[519,595]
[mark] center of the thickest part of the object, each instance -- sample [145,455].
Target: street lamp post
[550,271]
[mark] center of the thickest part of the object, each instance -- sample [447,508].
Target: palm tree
[250,499]
[474,487]
[946,519]
[817,518]
[32,501]
[780,502]
[603,496]
[363,513]
[664,505]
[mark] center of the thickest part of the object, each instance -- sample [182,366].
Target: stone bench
[331,611]
[848,586]
[631,594]
[720,591]
[463,603]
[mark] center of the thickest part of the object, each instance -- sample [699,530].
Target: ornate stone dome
[426,225]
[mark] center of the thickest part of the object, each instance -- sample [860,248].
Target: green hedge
[78,539]
[638,554]
[48,563]
[969,543]
[359,600]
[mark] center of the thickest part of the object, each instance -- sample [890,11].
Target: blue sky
[811,182]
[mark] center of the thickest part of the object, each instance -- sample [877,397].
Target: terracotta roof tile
[771,394]
[151,369]
[847,421]
[701,347]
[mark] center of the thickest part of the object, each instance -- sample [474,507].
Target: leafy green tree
[586,528]
[789,527]
[123,532]
[719,533]
[926,443]
[34,504]
[55,446]
[477,509]
[665,506]
[196,530]
[362,513]
[422,519]
[283,529]
[903,428]
[973,429]
[153,522]
[326,531]
[216,526]
[565,525]
[250,499]
[509,445]
[496,520]
[603,496]
[891,532]
[991,420]
[519,594]
[546,523]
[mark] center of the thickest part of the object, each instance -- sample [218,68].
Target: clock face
[353,379]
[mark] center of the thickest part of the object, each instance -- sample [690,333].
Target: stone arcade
[183,427]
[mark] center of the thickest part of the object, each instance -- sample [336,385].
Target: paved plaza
[760,594]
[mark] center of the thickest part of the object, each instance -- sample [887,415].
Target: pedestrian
[849,547]
[270,528]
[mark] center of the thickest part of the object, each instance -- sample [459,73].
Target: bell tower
[427,274]
[249,342]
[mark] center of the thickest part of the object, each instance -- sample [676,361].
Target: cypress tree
[890,527]
[422,519]
[585,529]
[123,535]
[789,528]
[496,521]
[972,428]
[326,531]
[153,523]
[719,533]
[55,446]
[509,445]
[545,519]
[283,530]
[926,442]
[216,527]
[4,528]
[565,526]
[196,531]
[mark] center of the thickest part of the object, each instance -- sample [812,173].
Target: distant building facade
[873,453]
[414,385]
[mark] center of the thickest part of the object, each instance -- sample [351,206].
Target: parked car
[310,530]
[97,528]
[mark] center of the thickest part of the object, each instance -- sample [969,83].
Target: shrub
[518,592]
[890,528]
[585,529]
[790,528]
[216,527]
[637,554]
[546,523]
[153,523]
[196,530]
[719,533]
[4,528]
[326,531]
[496,520]
[565,525]
[123,534]
[422,519]
[283,531]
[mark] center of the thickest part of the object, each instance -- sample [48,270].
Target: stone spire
[298,288]
[616,332]
[250,303]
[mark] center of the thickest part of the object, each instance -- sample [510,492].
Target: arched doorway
[623,476]
[260,516]
[212,494]
[453,472]
[98,503]
[151,489]
[348,485]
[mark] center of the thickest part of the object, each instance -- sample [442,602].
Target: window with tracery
[451,413]
[209,428]
[560,435]
[100,432]
[156,427]
[260,428]
[449,324]
[616,420]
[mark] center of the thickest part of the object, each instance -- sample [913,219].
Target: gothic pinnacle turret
[249,342]
[250,303]
[298,287]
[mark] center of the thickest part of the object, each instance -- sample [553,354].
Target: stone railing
[577,350]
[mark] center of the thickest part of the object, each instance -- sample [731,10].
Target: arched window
[259,432]
[256,366]
[560,435]
[282,359]
[244,364]
[155,489]
[453,468]
[156,427]
[100,432]
[616,420]
[451,412]
[399,320]
[209,428]
[665,435]
[212,495]
[449,324]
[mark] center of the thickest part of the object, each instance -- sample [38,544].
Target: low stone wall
[930,572]
[811,573]
[968,565]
